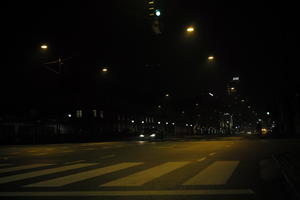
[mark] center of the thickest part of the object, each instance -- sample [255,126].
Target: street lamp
[44,47]
[210,58]
[104,69]
[190,29]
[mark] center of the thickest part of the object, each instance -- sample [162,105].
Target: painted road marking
[201,159]
[23,176]
[90,149]
[147,175]
[211,154]
[11,169]
[107,156]
[40,154]
[129,193]
[73,162]
[61,181]
[67,151]
[217,173]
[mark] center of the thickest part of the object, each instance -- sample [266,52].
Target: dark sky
[248,39]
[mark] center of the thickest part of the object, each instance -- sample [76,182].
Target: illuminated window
[79,113]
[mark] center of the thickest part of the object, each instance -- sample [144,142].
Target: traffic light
[153,10]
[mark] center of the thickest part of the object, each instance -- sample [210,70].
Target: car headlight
[152,135]
[142,135]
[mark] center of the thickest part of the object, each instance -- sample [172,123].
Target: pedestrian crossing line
[210,192]
[73,162]
[201,159]
[61,181]
[33,174]
[107,156]
[17,168]
[147,175]
[217,173]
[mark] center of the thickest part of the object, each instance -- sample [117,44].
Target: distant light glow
[151,2]
[158,122]
[191,125]
[268,113]
[232,88]
[132,121]
[143,122]
[173,123]
[186,125]
[236,78]
[259,120]
[157,13]
[44,46]
[264,131]
[190,29]
[104,69]
[211,94]
[167,95]
[152,135]
[211,58]
[167,123]
[142,136]
[69,115]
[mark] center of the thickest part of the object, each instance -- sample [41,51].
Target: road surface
[223,168]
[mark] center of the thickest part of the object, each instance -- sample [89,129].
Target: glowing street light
[190,29]
[104,69]
[211,94]
[44,47]
[210,58]
[167,95]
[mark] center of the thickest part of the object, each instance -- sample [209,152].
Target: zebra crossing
[216,173]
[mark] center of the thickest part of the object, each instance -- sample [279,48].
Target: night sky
[253,40]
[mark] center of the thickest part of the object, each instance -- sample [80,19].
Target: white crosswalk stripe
[18,168]
[23,176]
[83,175]
[217,173]
[145,176]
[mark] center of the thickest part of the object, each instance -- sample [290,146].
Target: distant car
[149,134]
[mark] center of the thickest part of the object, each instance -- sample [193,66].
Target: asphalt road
[223,168]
